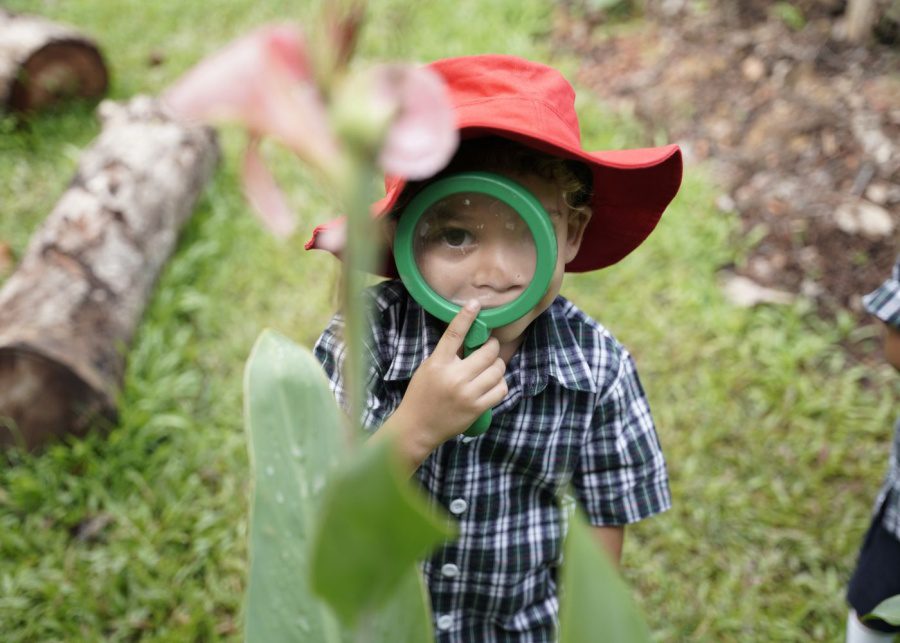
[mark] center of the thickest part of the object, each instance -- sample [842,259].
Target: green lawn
[776,441]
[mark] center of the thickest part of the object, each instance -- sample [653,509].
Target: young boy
[877,574]
[568,408]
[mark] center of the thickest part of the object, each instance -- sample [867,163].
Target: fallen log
[72,305]
[42,62]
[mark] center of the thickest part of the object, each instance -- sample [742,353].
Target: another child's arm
[892,346]
[447,393]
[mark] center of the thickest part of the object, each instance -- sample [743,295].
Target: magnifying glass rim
[509,192]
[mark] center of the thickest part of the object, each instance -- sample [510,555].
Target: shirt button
[467,438]
[450,570]
[445,622]
[458,506]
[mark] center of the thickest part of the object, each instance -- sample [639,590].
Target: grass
[776,441]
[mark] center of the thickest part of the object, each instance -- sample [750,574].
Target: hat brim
[631,190]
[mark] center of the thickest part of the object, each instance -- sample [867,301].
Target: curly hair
[497,154]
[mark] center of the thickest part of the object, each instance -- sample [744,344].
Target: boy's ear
[389,229]
[576,224]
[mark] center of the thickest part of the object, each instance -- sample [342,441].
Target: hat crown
[511,93]
[532,104]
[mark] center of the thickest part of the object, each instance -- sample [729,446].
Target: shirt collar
[550,350]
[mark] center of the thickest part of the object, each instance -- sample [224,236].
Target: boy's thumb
[453,337]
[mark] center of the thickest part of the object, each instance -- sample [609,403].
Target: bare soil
[801,129]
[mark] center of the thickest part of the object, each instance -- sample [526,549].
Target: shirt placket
[458,495]
[446,565]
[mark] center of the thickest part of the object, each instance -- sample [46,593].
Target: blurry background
[775,419]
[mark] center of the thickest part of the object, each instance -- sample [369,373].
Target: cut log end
[43,400]
[59,70]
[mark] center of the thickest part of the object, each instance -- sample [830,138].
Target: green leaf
[374,526]
[296,442]
[295,439]
[406,617]
[887,610]
[595,604]
[790,15]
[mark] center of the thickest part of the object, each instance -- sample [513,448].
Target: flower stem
[359,261]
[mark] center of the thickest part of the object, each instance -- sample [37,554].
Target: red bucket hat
[535,105]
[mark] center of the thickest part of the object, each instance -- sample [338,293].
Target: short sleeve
[331,351]
[884,301]
[621,475]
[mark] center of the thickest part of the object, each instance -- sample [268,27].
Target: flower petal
[422,137]
[263,193]
[331,236]
[263,82]
[234,83]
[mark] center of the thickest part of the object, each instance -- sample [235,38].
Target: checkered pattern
[884,303]
[575,415]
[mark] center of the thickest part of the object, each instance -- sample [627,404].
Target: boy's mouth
[489,298]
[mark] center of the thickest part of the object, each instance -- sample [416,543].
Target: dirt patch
[801,129]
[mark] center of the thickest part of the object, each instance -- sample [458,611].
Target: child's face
[475,247]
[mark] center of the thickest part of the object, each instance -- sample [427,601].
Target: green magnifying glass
[476,235]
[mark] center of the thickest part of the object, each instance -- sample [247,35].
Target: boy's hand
[446,394]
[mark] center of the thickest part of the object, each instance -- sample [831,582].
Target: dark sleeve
[621,475]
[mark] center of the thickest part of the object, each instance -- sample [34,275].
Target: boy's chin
[515,331]
[511,332]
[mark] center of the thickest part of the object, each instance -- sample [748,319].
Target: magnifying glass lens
[473,246]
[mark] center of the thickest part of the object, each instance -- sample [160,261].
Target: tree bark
[42,62]
[71,307]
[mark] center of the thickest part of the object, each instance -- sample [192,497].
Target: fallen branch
[42,62]
[71,307]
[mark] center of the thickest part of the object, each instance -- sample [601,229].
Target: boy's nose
[500,268]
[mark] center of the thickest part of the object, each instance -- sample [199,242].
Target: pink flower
[423,135]
[264,82]
[262,192]
[261,81]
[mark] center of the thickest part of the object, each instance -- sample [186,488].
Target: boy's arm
[621,475]
[611,540]
[446,394]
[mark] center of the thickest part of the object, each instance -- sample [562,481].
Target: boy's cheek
[892,347]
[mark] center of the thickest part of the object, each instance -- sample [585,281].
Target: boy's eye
[455,237]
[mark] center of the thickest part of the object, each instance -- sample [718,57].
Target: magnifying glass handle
[481,424]
[478,334]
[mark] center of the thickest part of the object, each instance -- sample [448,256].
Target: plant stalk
[359,261]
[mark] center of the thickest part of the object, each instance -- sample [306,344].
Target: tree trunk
[71,307]
[42,62]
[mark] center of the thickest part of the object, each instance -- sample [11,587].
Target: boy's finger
[453,337]
[494,396]
[488,378]
[481,358]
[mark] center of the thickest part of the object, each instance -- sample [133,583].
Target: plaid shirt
[575,415]
[884,303]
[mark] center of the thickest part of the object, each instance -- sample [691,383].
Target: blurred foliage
[790,14]
[595,12]
[887,610]
[593,597]
[333,536]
